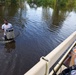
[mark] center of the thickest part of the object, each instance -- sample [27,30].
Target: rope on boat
[47,64]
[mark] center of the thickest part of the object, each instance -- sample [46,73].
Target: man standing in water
[8,30]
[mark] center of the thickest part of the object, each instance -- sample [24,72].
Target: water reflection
[47,15]
[58,18]
[53,17]
[32,21]
[10,46]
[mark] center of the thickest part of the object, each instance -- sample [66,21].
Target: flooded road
[40,29]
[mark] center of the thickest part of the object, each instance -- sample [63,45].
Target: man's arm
[2,27]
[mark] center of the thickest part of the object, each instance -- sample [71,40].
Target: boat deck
[69,62]
[71,59]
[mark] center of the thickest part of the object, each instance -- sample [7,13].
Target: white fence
[45,63]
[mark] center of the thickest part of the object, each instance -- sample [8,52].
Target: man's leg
[5,37]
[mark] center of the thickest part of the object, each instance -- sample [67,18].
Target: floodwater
[40,31]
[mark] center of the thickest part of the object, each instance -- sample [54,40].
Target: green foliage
[13,1]
[61,4]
